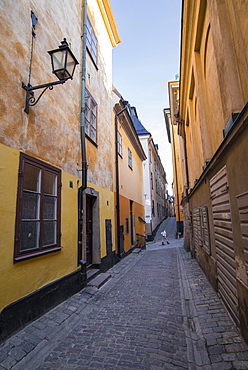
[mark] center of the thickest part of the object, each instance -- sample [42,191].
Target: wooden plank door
[108,226]
[226,266]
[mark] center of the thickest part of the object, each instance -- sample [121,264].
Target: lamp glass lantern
[63,61]
[63,66]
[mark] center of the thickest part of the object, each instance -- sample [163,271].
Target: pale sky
[146,60]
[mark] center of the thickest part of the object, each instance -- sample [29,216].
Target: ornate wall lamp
[63,66]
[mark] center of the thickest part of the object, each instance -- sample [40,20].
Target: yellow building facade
[43,255]
[155,192]
[128,170]
[213,116]
[177,151]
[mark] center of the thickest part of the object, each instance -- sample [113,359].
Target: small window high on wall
[91,117]
[91,41]
[130,158]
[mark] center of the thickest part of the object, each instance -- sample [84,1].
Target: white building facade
[154,179]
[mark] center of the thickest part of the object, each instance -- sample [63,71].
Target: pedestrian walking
[164,237]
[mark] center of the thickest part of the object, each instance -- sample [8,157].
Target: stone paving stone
[6,347]
[39,325]
[8,363]
[33,339]
[39,333]
[27,347]
[2,356]
[17,353]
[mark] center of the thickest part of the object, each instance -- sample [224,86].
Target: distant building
[154,179]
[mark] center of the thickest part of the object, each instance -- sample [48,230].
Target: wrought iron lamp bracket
[30,98]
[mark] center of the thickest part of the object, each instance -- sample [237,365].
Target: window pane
[30,205]
[88,43]
[49,233]
[94,39]
[91,41]
[49,208]
[31,180]
[94,108]
[93,134]
[87,113]
[50,183]
[87,131]
[93,121]
[91,117]
[29,235]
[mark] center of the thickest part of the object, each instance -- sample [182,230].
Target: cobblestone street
[156,312]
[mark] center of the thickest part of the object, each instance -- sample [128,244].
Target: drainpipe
[83,96]
[175,161]
[83,141]
[117,180]
[178,120]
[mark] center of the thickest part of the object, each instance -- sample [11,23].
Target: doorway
[91,227]
[132,223]
[89,231]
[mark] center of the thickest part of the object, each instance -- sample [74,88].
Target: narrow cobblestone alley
[156,312]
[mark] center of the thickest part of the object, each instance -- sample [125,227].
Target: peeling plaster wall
[51,130]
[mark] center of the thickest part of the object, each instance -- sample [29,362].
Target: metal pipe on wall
[83,97]
[83,140]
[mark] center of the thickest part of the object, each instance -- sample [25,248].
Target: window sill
[36,254]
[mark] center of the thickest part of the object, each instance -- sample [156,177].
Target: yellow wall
[138,211]
[214,79]
[178,155]
[27,276]
[125,213]
[130,180]
[99,85]
[9,162]
[131,188]
[51,130]
[22,278]
[213,106]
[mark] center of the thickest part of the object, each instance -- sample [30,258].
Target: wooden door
[108,226]
[225,255]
